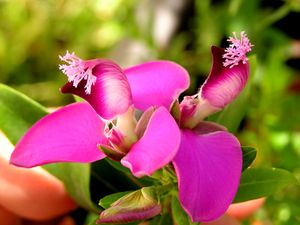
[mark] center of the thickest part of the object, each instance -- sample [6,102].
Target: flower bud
[138,205]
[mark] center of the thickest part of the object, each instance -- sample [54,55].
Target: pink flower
[74,132]
[208,163]
[208,167]
[207,159]
[78,70]
[223,84]
[99,81]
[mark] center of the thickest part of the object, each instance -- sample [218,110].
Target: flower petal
[156,83]
[223,84]
[208,168]
[157,147]
[143,122]
[205,127]
[70,134]
[110,95]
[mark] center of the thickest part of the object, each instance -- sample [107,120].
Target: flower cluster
[206,158]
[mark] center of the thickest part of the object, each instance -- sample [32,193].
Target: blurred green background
[34,32]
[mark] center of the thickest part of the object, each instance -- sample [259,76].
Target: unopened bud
[138,205]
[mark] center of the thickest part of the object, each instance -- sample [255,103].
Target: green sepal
[175,111]
[108,200]
[111,153]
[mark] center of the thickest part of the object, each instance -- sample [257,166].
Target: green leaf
[164,219]
[109,199]
[17,113]
[179,215]
[76,178]
[261,182]
[249,154]
[91,219]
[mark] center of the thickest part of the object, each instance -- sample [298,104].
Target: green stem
[275,16]
[134,180]
[234,7]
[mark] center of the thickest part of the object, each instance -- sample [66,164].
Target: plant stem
[275,16]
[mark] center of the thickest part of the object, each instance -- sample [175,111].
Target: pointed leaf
[17,113]
[249,154]
[261,182]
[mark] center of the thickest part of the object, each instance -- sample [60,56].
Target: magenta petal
[110,95]
[223,84]
[156,83]
[208,168]
[157,147]
[70,134]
